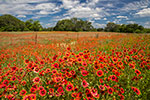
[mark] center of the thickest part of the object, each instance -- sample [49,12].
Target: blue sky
[99,12]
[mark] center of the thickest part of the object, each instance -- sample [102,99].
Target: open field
[74,66]
[13,38]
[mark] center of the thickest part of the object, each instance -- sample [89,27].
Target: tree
[73,24]
[112,27]
[33,25]
[11,23]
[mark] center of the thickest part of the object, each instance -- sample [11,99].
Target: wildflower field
[74,66]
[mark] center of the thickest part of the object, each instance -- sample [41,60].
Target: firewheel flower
[42,92]
[36,80]
[136,90]
[69,87]
[85,83]
[22,92]
[99,73]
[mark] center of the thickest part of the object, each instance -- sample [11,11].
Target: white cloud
[21,16]
[67,4]
[144,12]
[125,17]
[45,6]
[147,25]
[97,25]
[136,5]
[23,1]
[131,22]
[105,19]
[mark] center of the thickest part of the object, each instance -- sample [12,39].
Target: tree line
[11,23]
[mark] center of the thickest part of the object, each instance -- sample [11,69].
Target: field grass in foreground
[86,66]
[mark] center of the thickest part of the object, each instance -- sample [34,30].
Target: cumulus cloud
[21,16]
[144,12]
[98,25]
[125,17]
[135,5]
[147,25]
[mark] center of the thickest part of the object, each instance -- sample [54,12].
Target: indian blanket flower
[84,72]
[42,92]
[36,80]
[136,90]
[69,87]
[85,83]
[110,90]
[22,92]
[99,73]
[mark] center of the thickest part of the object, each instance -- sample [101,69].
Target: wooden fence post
[36,38]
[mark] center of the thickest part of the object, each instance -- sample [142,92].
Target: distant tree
[33,25]
[11,23]
[112,27]
[134,28]
[100,29]
[73,24]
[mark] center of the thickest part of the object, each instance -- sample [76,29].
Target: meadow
[74,66]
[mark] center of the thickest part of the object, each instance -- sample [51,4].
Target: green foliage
[129,28]
[73,24]
[11,23]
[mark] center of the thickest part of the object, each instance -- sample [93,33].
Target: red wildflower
[84,72]
[110,90]
[22,92]
[101,87]
[56,65]
[42,92]
[101,59]
[85,56]
[41,88]
[5,82]
[69,87]
[137,91]
[36,80]
[32,90]
[113,78]
[85,83]
[84,64]
[60,90]
[99,73]
[36,69]
[26,61]
[137,72]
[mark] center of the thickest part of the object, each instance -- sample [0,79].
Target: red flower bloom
[99,73]
[85,56]
[101,59]
[79,59]
[36,69]
[113,78]
[85,83]
[84,64]
[36,80]
[101,87]
[41,88]
[137,91]
[5,82]
[110,90]
[42,92]
[84,72]
[22,92]
[56,65]
[60,90]
[137,72]
[26,61]
[69,87]
[32,90]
